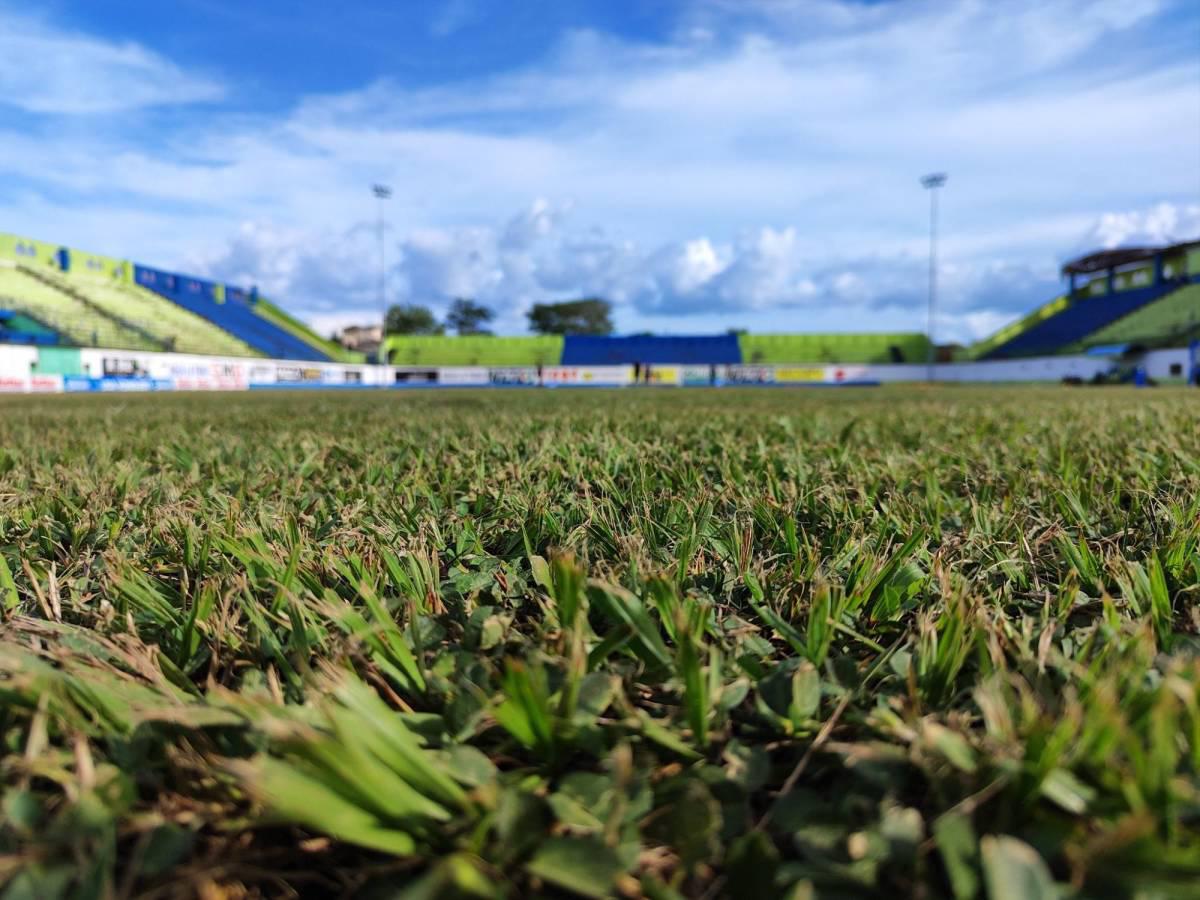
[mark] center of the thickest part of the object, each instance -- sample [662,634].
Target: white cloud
[1164,223]
[47,70]
[453,16]
[761,167]
[768,279]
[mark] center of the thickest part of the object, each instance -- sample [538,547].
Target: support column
[1110,286]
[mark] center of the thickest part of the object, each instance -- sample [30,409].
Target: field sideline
[895,642]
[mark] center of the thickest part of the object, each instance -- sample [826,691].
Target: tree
[468,317]
[587,316]
[410,318]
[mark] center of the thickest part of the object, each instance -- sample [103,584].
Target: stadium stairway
[77,320]
[1070,323]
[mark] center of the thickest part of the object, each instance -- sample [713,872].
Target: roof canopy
[1112,259]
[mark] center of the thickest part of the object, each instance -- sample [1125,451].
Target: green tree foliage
[411,318]
[591,315]
[468,317]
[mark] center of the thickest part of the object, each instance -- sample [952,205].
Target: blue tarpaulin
[1109,350]
[590,350]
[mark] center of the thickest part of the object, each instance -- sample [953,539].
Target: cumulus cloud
[759,168]
[1164,223]
[768,277]
[48,70]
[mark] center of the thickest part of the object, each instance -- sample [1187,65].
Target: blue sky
[703,163]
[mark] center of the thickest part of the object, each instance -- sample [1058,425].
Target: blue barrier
[592,350]
[85,384]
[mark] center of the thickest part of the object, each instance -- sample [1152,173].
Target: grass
[897,643]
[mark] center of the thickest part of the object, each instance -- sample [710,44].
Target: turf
[894,643]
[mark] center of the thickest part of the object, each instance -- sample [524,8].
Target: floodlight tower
[382,192]
[931,183]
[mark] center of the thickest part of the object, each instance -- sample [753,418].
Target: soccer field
[753,643]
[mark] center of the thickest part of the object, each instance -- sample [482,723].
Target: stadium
[773,546]
[72,320]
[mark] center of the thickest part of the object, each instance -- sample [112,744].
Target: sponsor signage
[302,374]
[749,375]
[665,375]
[513,375]
[799,374]
[415,376]
[587,376]
[463,376]
[846,374]
[45,384]
[84,384]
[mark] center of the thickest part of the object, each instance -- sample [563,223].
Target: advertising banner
[749,375]
[513,376]
[699,376]
[86,384]
[412,377]
[463,376]
[847,374]
[665,375]
[45,384]
[299,375]
[799,374]
[587,376]
[208,376]
[30,384]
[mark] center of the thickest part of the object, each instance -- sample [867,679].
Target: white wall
[191,372]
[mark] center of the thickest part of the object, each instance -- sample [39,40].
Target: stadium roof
[1111,259]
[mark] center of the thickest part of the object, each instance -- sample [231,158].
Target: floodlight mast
[931,183]
[382,192]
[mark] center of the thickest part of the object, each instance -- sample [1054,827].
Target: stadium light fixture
[931,183]
[382,192]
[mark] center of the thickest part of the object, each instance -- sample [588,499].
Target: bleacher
[481,350]
[1164,322]
[909,347]
[1077,321]
[74,319]
[172,325]
[230,310]
[1126,295]
[279,317]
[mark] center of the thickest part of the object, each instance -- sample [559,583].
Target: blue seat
[1077,321]
[236,315]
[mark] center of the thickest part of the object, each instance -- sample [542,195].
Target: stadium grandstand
[52,295]
[1143,294]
